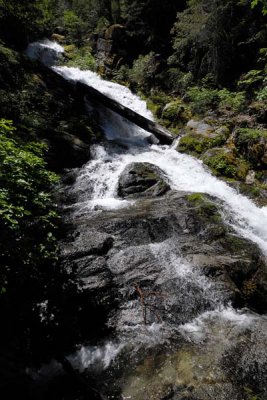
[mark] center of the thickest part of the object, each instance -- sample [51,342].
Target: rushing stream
[208,326]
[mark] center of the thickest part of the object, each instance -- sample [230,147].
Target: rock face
[111,47]
[142,180]
[99,255]
[167,260]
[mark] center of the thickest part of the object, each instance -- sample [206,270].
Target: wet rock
[168,261]
[86,243]
[145,244]
[245,360]
[152,139]
[142,180]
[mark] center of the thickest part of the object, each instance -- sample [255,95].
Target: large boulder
[142,180]
[201,136]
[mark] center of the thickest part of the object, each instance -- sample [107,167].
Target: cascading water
[183,171]
[95,188]
[45,51]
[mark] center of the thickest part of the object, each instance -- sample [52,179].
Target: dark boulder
[142,180]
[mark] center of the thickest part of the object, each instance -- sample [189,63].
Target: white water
[96,187]
[113,90]
[46,51]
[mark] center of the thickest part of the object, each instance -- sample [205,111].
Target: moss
[8,55]
[195,197]
[156,109]
[238,245]
[244,135]
[224,162]
[204,206]
[251,143]
[195,143]
[69,49]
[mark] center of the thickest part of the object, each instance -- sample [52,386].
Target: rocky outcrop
[110,47]
[142,180]
[201,135]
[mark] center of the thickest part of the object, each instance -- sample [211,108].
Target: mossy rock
[201,136]
[156,109]
[252,144]
[197,144]
[69,50]
[224,162]
[205,206]
[176,111]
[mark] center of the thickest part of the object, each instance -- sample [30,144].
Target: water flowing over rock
[167,270]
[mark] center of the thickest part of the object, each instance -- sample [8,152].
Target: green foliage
[24,18]
[102,25]
[73,25]
[234,101]
[261,3]
[244,135]
[262,95]
[122,74]
[251,143]
[225,163]
[203,99]
[80,57]
[251,79]
[144,70]
[216,38]
[27,212]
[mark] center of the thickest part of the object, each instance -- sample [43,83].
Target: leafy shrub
[27,212]
[81,58]
[143,71]
[225,163]
[251,80]
[102,25]
[73,25]
[262,95]
[203,99]
[234,101]
[251,143]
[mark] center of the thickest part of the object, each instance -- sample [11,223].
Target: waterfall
[96,189]
[46,51]
[185,172]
